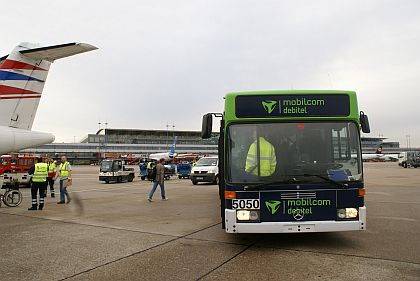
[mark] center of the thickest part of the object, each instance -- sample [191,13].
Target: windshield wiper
[326,179]
[292,179]
[265,185]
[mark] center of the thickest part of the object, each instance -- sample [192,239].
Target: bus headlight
[347,213]
[246,215]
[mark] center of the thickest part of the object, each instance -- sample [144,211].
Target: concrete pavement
[111,232]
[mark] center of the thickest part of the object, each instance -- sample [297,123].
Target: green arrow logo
[272,206]
[269,105]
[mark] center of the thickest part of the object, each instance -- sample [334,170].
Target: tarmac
[111,232]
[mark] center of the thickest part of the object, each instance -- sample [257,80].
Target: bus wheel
[143,178]
[106,181]
[223,222]
[222,208]
[194,182]
[404,164]
[180,177]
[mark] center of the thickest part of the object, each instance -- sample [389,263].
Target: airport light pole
[167,135]
[99,143]
[104,142]
[173,130]
[408,140]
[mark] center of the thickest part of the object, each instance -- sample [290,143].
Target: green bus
[290,161]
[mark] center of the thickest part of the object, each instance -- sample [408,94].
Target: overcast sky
[172,61]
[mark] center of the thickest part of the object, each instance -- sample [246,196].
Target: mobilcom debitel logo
[272,206]
[269,105]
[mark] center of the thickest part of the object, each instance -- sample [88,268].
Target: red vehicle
[14,168]
[16,163]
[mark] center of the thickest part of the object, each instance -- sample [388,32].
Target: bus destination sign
[319,105]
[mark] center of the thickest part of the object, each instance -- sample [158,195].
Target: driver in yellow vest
[263,162]
[39,174]
[64,173]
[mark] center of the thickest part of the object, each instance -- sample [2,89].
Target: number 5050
[245,204]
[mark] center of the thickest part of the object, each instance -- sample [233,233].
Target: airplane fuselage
[382,157]
[165,155]
[13,139]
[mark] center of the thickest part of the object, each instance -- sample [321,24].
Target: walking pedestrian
[39,174]
[158,176]
[64,173]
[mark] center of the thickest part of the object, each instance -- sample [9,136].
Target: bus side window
[341,144]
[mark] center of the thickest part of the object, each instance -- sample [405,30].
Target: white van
[206,170]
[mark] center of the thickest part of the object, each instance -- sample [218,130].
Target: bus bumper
[232,226]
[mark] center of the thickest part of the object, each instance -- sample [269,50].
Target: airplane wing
[52,53]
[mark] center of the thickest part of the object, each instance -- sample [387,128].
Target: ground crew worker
[64,173]
[263,151]
[52,170]
[39,174]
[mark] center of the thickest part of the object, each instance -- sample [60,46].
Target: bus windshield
[294,152]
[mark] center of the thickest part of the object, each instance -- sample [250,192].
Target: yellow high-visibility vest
[64,172]
[52,167]
[267,159]
[41,172]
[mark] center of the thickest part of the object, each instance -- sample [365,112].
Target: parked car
[206,170]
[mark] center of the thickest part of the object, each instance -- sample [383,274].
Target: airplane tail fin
[173,147]
[22,78]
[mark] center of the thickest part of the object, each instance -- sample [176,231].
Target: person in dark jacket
[39,174]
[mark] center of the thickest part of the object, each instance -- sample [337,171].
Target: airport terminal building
[141,143]
[137,142]
[371,144]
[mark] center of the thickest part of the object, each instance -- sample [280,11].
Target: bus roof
[291,105]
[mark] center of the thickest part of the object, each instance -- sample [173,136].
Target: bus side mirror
[364,122]
[207,126]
